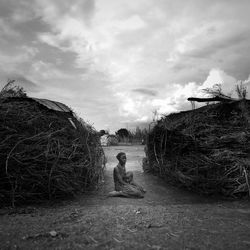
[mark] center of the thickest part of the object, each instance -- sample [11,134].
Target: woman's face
[123,159]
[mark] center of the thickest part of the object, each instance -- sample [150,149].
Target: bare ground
[167,218]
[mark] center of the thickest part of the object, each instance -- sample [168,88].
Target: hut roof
[57,106]
[46,150]
[52,105]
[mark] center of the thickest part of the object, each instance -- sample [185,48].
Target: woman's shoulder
[116,168]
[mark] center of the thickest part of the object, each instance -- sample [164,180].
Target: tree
[241,91]
[155,115]
[138,133]
[102,132]
[122,133]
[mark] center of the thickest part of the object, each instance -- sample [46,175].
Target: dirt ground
[167,218]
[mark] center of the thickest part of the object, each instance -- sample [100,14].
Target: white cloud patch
[227,82]
[132,23]
[176,101]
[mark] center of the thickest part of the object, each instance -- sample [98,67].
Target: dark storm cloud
[216,44]
[143,91]
[88,8]
[56,9]
[9,7]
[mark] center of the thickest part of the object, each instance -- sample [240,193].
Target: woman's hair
[120,155]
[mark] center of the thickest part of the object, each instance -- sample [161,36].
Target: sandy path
[167,218]
[158,191]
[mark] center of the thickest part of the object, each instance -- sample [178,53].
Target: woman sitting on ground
[124,183]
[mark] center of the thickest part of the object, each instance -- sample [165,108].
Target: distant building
[109,140]
[104,140]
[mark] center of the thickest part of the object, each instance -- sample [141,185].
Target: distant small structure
[104,140]
[109,140]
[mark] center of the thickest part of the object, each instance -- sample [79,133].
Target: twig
[93,239]
[246,176]
[119,241]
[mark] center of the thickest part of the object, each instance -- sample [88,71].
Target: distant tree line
[127,136]
[137,136]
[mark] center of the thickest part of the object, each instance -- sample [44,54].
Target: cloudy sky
[116,61]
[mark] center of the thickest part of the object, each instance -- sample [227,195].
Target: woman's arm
[118,176]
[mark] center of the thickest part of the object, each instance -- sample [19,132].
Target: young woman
[124,183]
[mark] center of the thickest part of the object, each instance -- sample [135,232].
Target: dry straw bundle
[206,150]
[44,154]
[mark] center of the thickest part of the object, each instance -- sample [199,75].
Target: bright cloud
[177,99]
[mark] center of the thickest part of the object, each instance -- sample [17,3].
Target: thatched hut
[46,152]
[206,149]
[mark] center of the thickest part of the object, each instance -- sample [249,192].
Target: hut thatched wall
[206,150]
[44,153]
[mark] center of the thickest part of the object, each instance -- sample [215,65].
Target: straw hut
[206,150]
[46,152]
